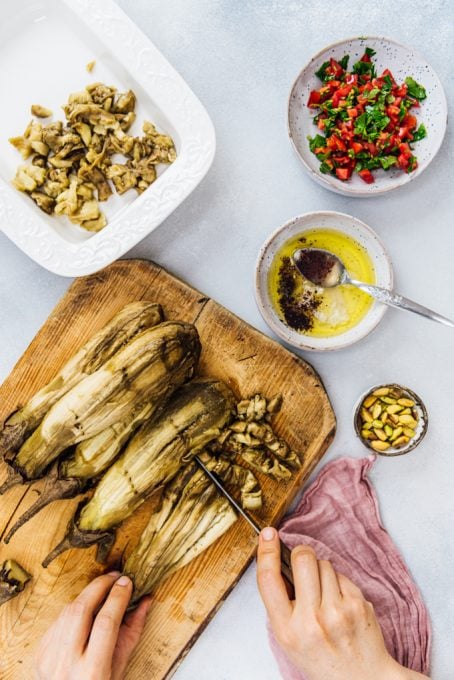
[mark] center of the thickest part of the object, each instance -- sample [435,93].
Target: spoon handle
[394,300]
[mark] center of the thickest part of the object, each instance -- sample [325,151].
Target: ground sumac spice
[298,309]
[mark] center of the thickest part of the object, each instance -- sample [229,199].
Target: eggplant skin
[195,416]
[126,324]
[150,367]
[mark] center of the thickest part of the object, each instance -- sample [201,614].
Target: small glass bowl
[420,430]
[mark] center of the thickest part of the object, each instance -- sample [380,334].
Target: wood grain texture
[233,351]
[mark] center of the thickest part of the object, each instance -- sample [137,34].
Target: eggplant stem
[13,479]
[77,538]
[11,438]
[64,545]
[55,489]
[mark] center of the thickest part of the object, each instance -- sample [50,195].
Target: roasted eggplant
[154,455]
[149,368]
[129,322]
[80,470]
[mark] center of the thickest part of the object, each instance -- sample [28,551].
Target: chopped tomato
[405,149]
[330,87]
[372,148]
[393,111]
[366,176]
[343,173]
[335,142]
[403,161]
[342,160]
[404,133]
[357,147]
[314,99]
[410,121]
[336,68]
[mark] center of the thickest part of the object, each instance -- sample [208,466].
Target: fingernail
[113,573]
[268,533]
[123,581]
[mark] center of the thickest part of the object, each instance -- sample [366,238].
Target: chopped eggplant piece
[252,438]
[235,478]
[40,111]
[97,121]
[46,203]
[13,579]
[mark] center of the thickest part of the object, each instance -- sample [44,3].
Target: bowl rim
[278,328]
[412,444]
[317,175]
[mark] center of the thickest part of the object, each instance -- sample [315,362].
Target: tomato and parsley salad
[365,119]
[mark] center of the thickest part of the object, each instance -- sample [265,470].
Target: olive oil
[339,309]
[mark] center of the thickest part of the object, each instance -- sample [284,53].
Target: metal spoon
[326,270]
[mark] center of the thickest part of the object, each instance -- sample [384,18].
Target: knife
[286,564]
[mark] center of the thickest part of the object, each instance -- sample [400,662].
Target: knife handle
[286,566]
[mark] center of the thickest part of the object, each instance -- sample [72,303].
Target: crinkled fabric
[339,517]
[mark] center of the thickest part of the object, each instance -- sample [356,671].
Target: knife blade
[286,564]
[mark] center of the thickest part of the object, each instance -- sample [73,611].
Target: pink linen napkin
[339,517]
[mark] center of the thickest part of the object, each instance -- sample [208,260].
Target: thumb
[129,637]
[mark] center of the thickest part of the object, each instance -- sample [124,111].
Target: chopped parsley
[415,89]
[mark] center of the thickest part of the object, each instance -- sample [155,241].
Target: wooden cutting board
[233,351]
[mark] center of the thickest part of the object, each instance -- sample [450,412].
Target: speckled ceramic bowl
[402,61]
[421,429]
[354,228]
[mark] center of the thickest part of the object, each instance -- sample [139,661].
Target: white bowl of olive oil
[313,318]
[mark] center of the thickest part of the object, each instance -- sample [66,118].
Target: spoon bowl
[319,266]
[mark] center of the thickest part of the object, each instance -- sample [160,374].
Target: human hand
[90,639]
[329,630]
